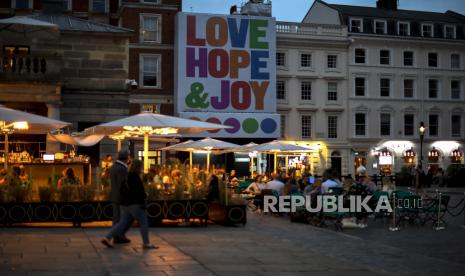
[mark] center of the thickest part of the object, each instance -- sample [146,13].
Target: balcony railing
[310,29]
[29,67]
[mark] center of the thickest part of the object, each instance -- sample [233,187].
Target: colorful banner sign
[225,67]
[258,125]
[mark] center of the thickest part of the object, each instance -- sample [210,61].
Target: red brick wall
[5,4]
[37,4]
[114,6]
[81,6]
[131,19]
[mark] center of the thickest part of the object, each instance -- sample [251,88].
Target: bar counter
[40,172]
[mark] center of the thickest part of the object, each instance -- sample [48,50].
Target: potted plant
[86,192]
[46,193]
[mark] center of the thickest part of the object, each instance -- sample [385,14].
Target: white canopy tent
[276,146]
[206,144]
[147,124]
[15,121]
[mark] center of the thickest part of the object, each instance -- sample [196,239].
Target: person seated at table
[69,178]
[388,186]
[275,184]
[329,182]
[348,183]
[256,187]
[291,186]
[3,177]
[312,188]
[233,181]
[22,173]
[370,185]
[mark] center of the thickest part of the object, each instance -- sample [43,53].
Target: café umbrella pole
[119,145]
[146,152]
[6,151]
[208,161]
[275,162]
[287,164]
[251,168]
[190,161]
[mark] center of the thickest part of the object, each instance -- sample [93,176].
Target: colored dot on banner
[268,125]
[213,120]
[250,125]
[234,123]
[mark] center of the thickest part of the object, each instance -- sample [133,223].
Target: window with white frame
[455,61]
[280,59]
[409,86]
[403,28]
[151,70]
[332,61]
[384,57]
[427,30]
[280,89]
[449,31]
[306,90]
[409,124]
[455,89]
[332,91]
[23,4]
[305,60]
[360,124]
[385,124]
[282,118]
[456,125]
[356,25]
[99,6]
[433,125]
[433,59]
[360,55]
[384,87]
[360,86]
[408,58]
[380,27]
[433,88]
[332,127]
[306,126]
[150,28]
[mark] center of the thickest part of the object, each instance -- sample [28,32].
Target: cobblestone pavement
[267,245]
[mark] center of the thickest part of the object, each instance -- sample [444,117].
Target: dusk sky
[295,10]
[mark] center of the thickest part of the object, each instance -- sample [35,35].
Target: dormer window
[356,25]
[403,28]
[380,27]
[449,32]
[427,30]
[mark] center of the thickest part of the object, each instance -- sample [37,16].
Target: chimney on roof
[52,6]
[387,4]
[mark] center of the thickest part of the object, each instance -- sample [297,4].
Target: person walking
[133,206]
[118,178]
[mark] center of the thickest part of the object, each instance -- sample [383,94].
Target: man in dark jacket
[119,178]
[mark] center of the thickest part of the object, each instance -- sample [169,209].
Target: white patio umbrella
[207,144]
[147,124]
[15,121]
[180,146]
[276,146]
[27,26]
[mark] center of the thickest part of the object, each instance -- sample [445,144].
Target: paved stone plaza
[267,245]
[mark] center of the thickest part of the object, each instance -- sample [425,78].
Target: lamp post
[421,130]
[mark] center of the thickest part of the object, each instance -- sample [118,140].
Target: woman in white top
[256,187]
